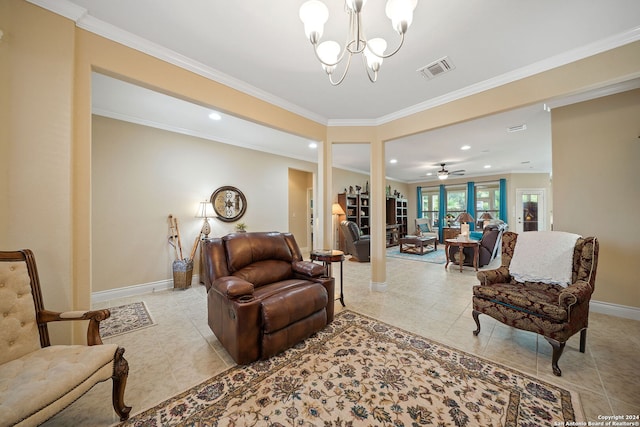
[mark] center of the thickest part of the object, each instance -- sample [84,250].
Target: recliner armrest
[575,293]
[233,287]
[307,268]
[499,275]
[361,242]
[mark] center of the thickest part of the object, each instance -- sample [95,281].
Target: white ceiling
[259,46]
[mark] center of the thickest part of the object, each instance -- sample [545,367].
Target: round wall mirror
[229,203]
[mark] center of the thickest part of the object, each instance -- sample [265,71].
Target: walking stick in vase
[173,236]
[194,247]
[175,221]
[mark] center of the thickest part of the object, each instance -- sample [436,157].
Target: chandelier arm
[395,51]
[344,74]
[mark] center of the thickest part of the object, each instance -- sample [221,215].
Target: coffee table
[418,245]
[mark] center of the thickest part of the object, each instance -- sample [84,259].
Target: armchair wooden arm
[94,317]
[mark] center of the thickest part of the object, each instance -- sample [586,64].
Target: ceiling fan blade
[458,172]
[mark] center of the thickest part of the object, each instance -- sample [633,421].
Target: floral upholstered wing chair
[551,310]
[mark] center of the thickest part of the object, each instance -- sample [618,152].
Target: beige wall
[4,125]
[49,129]
[596,184]
[37,53]
[299,221]
[140,175]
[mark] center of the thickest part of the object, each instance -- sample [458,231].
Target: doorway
[530,209]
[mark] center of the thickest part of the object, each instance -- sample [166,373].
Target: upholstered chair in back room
[356,244]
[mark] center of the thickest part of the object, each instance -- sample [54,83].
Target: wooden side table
[475,244]
[327,257]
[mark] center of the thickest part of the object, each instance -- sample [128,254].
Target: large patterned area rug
[436,257]
[360,371]
[126,318]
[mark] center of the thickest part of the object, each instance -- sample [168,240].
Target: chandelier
[314,14]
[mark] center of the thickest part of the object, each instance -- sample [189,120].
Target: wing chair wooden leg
[558,347]
[120,374]
[476,314]
[583,340]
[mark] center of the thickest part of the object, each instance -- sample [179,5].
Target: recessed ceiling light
[487,166]
[394,161]
[214,115]
[465,147]
[430,173]
[313,145]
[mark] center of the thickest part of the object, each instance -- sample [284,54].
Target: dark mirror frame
[220,194]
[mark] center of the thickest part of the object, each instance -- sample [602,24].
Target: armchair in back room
[358,245]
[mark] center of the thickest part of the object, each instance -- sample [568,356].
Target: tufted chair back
[18,325]
[38,380]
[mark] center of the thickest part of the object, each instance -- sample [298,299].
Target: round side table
[327,257]
[475,244]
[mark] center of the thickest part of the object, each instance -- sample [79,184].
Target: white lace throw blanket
[543,256]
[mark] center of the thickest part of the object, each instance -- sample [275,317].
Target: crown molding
[94,25]
[559,60]
[85,21]
[62,7]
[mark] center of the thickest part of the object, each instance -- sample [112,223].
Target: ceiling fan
[444,174]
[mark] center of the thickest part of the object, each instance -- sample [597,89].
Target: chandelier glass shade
[314,14]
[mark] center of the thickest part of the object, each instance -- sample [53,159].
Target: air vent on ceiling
[441,66]
[517,128]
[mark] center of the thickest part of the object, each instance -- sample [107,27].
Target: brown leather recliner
[262,296]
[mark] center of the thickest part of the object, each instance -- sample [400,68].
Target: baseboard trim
[616,310]
[135,290]
[378,286]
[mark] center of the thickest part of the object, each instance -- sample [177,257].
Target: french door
[530,209]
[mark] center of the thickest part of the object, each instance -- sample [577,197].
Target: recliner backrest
[258,257]
[246,248]
[352,229]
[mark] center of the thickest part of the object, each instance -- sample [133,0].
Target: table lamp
[464,218]
[485,217]
[205,210]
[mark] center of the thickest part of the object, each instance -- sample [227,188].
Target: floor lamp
[336,210]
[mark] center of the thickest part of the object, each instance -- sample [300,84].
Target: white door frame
[542,207]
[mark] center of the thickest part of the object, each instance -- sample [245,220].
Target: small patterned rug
[360,371]
[435,257]
[126,318]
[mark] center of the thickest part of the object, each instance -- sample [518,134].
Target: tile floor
[181,351]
